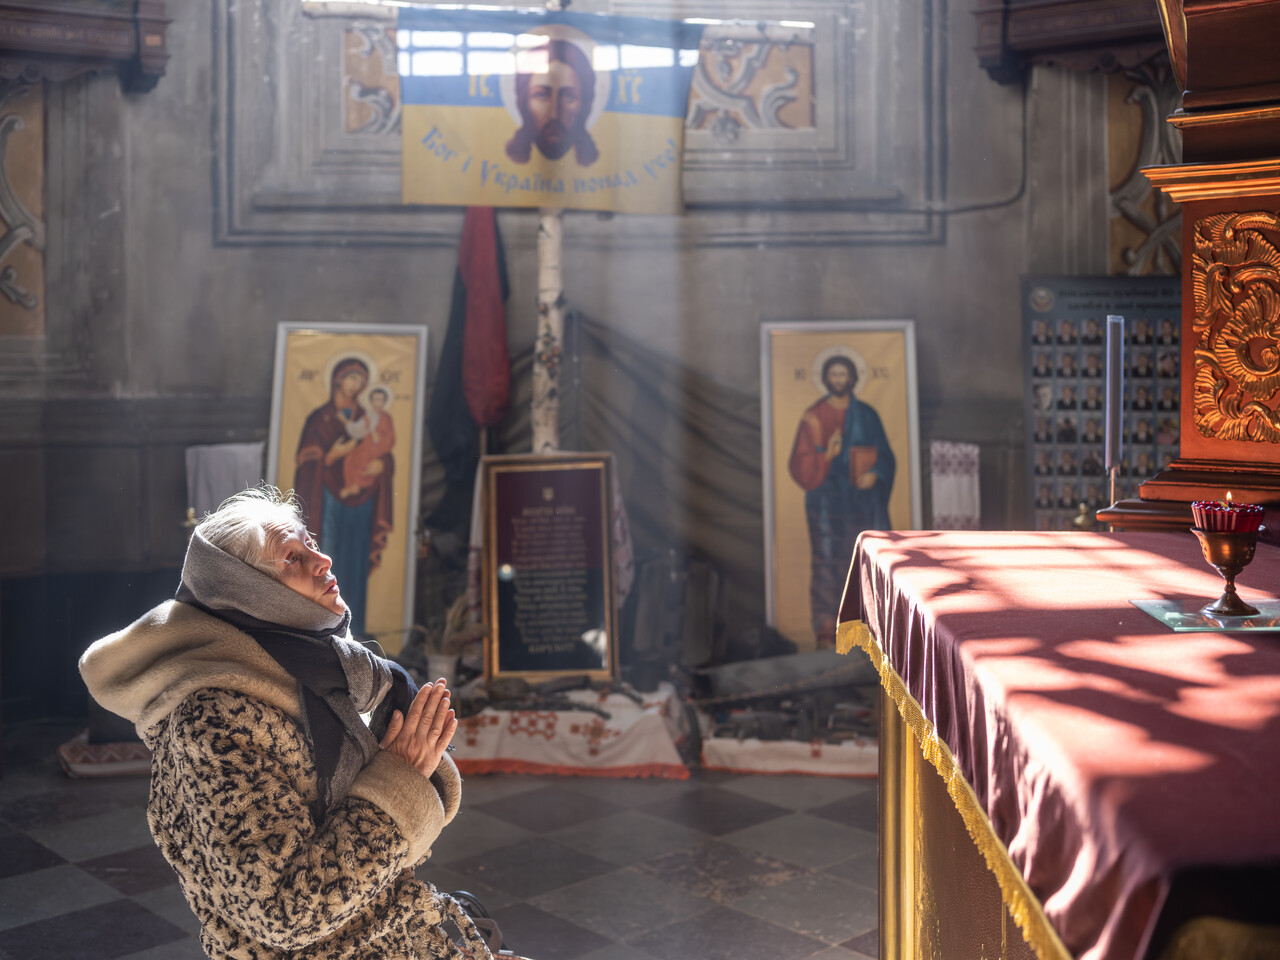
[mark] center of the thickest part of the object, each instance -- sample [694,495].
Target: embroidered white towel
[957,500]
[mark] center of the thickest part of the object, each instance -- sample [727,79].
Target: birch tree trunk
[546,354]
[546,349]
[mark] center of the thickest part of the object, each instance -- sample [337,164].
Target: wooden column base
[1189,480]
[1138,514]
[1164,501]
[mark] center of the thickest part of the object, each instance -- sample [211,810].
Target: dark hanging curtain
[687,450]
[688,455]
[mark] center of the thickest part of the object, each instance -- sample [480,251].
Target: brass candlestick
[1229,552]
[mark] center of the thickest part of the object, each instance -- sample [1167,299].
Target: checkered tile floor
[719,866]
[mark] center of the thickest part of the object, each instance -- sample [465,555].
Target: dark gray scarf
[336,678]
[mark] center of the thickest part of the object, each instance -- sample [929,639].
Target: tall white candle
[1115,390]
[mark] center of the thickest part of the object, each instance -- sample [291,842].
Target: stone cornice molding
[1080,35]
[59,40]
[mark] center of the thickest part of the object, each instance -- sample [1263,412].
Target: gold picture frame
[346,426]
[547,567]
[803,583]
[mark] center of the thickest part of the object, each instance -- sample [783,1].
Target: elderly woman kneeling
[293,825]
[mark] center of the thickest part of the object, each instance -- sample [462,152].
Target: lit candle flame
[1228,496]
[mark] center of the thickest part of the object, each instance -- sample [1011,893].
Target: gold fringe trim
[1022,904]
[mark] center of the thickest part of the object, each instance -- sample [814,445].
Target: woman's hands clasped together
[421,738]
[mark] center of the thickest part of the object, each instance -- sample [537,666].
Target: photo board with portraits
[840,455]
[346,428]
[1065,350]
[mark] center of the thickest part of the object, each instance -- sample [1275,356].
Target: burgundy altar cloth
[1112,755]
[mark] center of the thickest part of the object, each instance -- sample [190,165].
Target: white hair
[246,525]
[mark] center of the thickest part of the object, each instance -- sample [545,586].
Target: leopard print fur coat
[232,783]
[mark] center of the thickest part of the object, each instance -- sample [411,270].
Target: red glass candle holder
[1226,516]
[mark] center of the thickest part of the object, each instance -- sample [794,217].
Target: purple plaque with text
[548,567]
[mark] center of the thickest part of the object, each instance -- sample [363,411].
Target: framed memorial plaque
[346,423]
[841,455]
[548,567]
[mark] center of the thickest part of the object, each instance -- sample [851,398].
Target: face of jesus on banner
[555,90]
[555,103]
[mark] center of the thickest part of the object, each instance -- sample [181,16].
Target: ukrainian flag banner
[505,108]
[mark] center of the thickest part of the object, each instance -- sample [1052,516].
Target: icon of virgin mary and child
[344,472]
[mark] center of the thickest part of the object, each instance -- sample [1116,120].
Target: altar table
[1114,778]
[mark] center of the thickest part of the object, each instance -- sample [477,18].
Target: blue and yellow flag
[543,108]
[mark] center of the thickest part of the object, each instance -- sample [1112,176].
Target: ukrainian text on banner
[543,108]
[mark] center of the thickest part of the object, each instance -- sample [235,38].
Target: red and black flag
[473,382]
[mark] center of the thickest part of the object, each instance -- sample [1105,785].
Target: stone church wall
[185,223]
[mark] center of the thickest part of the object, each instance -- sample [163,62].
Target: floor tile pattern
[718,866]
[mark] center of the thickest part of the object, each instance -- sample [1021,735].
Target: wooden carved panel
[1146,224]
[22,230]
[1235,277]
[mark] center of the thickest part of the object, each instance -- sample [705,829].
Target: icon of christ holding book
[841,457]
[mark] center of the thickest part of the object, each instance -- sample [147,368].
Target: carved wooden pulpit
[1223,56]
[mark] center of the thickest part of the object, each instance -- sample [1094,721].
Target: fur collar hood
[145,670]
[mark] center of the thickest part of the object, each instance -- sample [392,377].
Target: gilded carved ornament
[1235,280]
